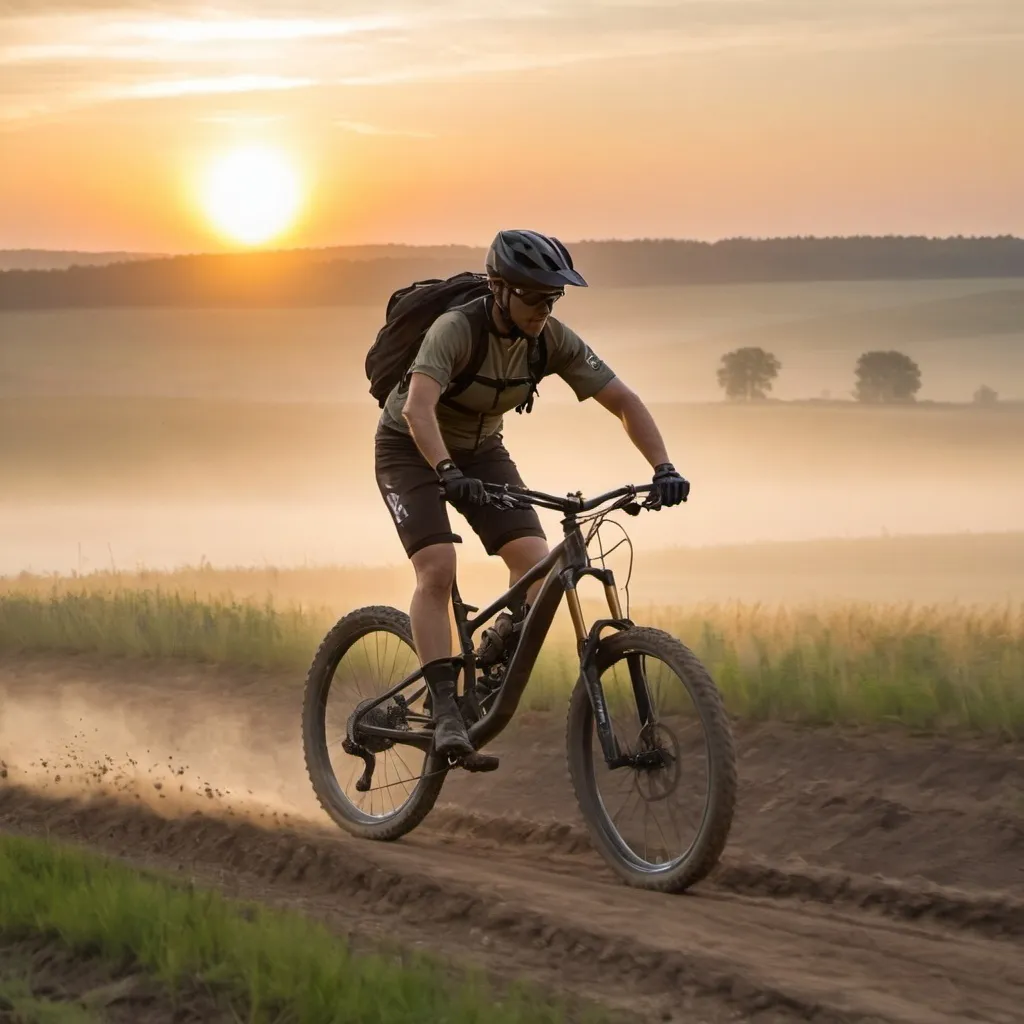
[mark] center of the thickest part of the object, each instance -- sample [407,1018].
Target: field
[165,437]
[664,340]
[187,504]
[942,667]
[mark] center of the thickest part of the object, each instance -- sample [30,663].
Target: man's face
[530,308]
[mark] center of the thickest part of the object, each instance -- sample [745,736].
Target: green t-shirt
[446,349]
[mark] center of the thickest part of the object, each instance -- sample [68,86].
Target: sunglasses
[535,298]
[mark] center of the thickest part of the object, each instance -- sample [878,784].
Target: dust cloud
[129,741]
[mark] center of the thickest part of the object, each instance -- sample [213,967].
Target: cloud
[362,128]
[210,86]
[239,118]
[97,50]
[251,29]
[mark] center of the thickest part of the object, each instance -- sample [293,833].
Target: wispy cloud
[221,30]
[362,128]
[156,49]
[210,86]
[239,118]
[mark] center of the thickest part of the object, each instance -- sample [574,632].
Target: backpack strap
[537,360]
[476,313]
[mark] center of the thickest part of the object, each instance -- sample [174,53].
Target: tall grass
[944,667]
[152,623]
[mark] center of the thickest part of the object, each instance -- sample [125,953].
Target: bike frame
[562,569]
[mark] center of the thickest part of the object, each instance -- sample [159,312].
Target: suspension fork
[587,642]
[637,676]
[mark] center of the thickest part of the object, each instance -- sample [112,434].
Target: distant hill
[61,259]
[368,274]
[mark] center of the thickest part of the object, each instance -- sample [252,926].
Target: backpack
[409,314]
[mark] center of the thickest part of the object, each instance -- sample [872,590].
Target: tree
[985,396]
[747,373]
[887,377]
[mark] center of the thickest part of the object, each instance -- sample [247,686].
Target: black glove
[669,485]
[460,489]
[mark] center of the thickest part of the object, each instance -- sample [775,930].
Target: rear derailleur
[358,743]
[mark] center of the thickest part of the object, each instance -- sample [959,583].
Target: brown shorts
[410,489]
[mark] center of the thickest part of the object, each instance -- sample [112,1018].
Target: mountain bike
[646,731]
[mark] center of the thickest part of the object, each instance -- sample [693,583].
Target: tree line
[315,278]
[880,377]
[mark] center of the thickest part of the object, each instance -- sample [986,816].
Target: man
[430,448]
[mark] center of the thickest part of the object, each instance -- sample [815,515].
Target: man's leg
[521,555]
[431,626]
[428,612]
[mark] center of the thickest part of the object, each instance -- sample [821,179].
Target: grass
[16,998]
[270,965]
[941,668]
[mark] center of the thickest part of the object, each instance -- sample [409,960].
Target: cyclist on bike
[429,450]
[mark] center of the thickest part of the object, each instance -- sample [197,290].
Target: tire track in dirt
[992,914]
[752,956]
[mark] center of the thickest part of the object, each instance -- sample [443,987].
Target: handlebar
[512,496]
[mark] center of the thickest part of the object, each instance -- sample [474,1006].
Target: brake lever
[507,501]
[652,503]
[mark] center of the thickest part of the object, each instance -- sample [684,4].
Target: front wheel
[662,820]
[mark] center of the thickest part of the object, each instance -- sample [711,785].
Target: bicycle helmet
[528,259]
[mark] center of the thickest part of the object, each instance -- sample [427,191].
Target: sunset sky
[442,120]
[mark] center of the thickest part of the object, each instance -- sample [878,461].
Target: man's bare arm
[420,413]
[627,406]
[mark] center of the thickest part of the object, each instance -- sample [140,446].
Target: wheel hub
[656,762]
[383,716]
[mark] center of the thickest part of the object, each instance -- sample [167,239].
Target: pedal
[477,762]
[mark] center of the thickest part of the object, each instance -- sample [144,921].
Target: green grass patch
[16,999]
[943,668]
[269,965]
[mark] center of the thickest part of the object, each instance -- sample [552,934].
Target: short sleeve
[445,348]
[575,362]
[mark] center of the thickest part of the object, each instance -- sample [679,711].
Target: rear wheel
[368,652]
[662,821]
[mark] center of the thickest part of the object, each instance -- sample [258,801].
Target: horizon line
[649,239]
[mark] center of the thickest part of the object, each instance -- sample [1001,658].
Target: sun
[252,194]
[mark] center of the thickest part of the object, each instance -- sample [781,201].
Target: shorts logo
[398,510]
[592,361]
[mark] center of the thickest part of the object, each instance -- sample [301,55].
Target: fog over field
[163,437]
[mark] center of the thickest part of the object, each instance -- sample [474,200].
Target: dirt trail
[819,816]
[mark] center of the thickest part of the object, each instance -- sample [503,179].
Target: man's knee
[435,569]
[523,553]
